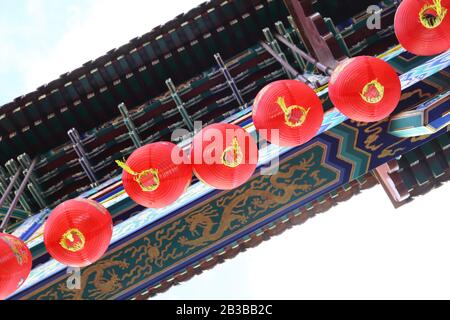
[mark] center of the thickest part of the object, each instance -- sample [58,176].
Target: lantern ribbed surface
[292,109]
[365,89]
[15,264]
[78,232]
[157,174]
[224,156]
[423,26]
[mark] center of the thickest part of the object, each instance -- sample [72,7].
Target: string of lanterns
[224,156]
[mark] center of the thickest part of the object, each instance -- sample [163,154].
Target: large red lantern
[224,156]
[78,232]
[365,89]
[156,175]
[292,109]
[15,264]
[423,26]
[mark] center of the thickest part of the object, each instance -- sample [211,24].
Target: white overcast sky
[361,249]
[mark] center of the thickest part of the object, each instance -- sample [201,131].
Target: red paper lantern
[156,175]
[423,26]
[78,232]
[15,264]
[224,156]
[292,108]
[365,89]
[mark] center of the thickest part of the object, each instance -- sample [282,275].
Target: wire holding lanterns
[423,26]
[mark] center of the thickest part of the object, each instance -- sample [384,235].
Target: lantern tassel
[433,22]
[125,167]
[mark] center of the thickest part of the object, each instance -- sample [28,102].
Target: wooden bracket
[319,43]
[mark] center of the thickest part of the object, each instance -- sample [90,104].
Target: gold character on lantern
[373,92]
[140,176]
[73,240]
[235,153]
[18,250]
[289,113]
